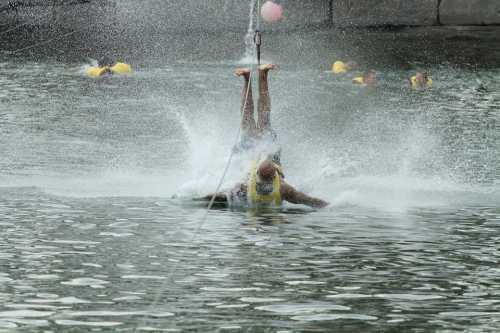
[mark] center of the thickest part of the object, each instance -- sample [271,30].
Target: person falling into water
[257,137]
[264,184]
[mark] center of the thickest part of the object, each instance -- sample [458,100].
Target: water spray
[41,43]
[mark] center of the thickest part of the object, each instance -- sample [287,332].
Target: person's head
[421,77]
[370,78]
[266,172]
[105,61]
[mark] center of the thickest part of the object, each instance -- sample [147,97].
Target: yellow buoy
[96,71]
[121,68]
[339,67]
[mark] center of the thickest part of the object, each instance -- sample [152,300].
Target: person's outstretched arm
[290,194]
[222,197]
[219,198]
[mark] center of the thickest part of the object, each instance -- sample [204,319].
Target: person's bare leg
[264,103]
[248,125]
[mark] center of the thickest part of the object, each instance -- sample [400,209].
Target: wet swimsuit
[237,196]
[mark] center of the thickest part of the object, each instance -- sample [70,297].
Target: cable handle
[257,38]
[258,42]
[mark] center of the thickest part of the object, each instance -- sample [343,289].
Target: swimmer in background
[105,63]
[340,67]
[263,187]
[257,135]
[108,67]
[420,80]
[368,79]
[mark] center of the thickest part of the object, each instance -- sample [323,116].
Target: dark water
[91,238]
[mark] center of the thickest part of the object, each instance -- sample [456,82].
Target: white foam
[90,282]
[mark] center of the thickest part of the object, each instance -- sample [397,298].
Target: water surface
[93,239]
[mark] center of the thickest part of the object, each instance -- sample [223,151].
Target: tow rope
[258,42]
[258,35]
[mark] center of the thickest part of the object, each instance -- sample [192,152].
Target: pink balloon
[271,12]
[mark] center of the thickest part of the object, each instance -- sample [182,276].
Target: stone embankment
[213,15]
[135,27]
[368,13]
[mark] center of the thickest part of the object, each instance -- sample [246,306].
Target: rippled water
[91,238]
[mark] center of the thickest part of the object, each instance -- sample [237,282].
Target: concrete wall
[365,13]
[57,14]
[212,15]
[469,12]
[142,17]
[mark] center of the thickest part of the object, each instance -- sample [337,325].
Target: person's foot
[267,67]
[245,72]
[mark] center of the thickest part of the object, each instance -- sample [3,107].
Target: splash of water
[250,56]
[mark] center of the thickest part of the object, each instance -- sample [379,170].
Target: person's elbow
[321,204]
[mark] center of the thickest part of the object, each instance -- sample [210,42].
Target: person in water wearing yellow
[106,67]
[368,79]
[257,136]
[264,186]
[420,80]
[340,67]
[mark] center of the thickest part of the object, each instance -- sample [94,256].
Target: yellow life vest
[254,198]
[96,71]
[121,68]
[118,68]
[414,83]
[358,80]
[339,67]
